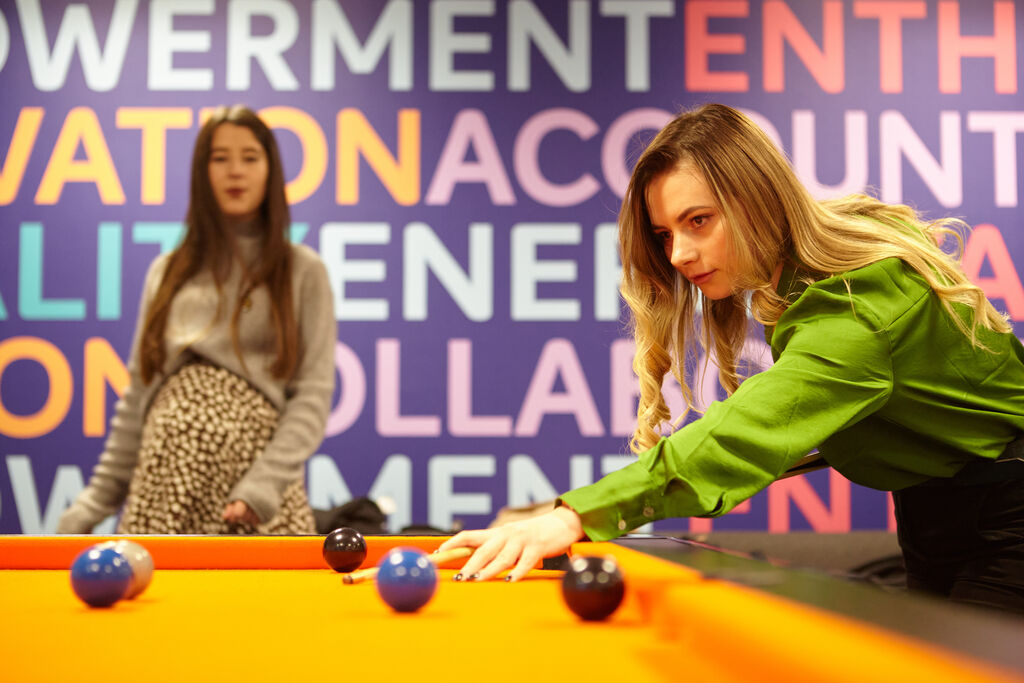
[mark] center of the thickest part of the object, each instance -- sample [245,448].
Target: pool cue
[435,557]
[808,463]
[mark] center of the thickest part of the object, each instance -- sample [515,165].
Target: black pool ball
[344,549]
[593,587]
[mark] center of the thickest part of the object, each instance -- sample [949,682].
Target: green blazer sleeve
[834,370]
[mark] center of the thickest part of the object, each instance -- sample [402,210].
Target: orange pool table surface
[269,609]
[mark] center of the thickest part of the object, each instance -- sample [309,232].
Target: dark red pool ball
[593,587]
[344,549]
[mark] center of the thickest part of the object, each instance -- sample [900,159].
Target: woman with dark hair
[888,360]
[232,365]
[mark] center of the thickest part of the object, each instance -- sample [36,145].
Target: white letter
[50,71]
[67,484]
[607,272]
[392,32]
[5,41]
[445,43]
[267,50]
[572,65]
[638,37]
[943,179]
[164,41]
[424,252]
[324,483]
[527,483]
[1004,126]
[856,152]
[444,502]
[334,237]
[528,270]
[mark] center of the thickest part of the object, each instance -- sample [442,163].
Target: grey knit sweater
[195,329]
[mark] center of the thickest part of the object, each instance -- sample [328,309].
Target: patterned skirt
[204,429]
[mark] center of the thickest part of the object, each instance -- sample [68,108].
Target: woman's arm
[108,485]
[300,428]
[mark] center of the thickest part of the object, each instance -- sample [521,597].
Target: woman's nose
[683,252]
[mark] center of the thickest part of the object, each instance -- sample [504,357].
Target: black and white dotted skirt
[204,429]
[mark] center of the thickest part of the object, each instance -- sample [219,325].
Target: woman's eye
[699,221]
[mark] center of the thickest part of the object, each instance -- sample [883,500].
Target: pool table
[268,608]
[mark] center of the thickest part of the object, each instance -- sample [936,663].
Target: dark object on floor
[361,514]
[887,572]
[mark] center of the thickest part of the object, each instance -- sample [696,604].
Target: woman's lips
[701,278]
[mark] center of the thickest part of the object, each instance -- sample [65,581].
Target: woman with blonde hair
[232,366]
[888,361]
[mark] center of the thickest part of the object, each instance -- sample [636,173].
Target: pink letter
[700,43]
[986,240]
[826,65]
[621,139]
[806,499]
[558,359]
[352,396]
[1001,46]
[390,421]
[623,388]
[470,129]
[890,17]
[527,150]
[461,420]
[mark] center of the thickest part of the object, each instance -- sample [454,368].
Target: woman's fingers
[518,545]
[483,555]
[505,558]
[528,559]
[239,512]
[465,539]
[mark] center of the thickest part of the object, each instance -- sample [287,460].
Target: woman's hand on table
[518,545]
[238,512]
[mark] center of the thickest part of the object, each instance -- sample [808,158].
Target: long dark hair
[208,245]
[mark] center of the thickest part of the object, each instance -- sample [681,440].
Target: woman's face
[687,222]
[238,171]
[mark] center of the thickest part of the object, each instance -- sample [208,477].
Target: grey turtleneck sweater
[195,329]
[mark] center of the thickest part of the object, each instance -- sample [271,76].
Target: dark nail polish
[475,577]
[508,578]
[457,577]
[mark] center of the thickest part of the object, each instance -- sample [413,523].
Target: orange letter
[22,142]
[154,123]
[401,177]
[102,367]
[59,400]
[82,126]
[314,149]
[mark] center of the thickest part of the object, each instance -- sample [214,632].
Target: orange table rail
[268,608]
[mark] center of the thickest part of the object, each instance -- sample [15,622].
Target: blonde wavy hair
[770,217]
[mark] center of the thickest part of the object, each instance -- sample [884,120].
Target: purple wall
[459,166]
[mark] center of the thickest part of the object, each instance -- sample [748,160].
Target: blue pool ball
[406,579]
[100,576]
